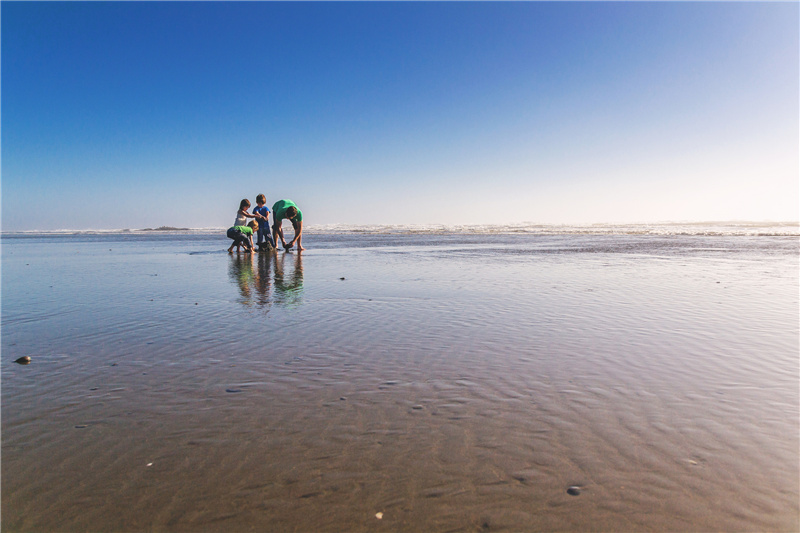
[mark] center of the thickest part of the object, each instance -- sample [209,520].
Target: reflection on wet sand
[525,383]
[255,276]
[289,279]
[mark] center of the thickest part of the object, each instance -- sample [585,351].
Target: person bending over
[287,209]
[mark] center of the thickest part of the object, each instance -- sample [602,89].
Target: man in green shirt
[287,209]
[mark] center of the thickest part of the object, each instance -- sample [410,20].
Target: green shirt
[247,230]
[279,210]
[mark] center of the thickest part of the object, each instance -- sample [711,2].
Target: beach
[392,379]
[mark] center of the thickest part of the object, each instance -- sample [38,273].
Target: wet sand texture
[549,385]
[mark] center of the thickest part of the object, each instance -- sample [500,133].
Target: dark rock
[24,360]
[574,491]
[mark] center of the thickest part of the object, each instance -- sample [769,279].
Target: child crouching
[242,236]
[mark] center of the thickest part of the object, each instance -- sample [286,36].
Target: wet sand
[458,384]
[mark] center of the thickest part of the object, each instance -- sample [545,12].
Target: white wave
[163,230]
[666,228]
[726,228]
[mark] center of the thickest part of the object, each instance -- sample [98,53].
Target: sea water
[403,379]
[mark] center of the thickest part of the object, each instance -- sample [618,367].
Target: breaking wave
[735,228]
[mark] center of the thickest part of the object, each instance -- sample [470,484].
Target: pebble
[574,491]
[233,390]
[24,360]
[342,279]
[417,407]
[81,426]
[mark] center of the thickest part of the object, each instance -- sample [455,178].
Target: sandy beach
[401,382]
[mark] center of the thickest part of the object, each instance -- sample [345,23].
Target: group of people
[242,230]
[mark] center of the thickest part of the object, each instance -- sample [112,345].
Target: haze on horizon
[146,114]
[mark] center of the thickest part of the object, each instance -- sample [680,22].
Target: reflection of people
[287,209]
[289,291]
[274,279]
[263,281]
[254,280]
[264,236]
[242,236]
[241,273]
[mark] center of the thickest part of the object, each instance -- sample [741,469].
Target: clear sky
[146,114]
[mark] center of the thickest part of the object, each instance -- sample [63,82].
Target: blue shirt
[263,211]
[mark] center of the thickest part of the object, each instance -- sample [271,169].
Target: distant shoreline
[721,228]
[164,228]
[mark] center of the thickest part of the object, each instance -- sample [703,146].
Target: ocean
[404,378]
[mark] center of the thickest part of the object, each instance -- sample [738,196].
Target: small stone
[24,360]
[574,491]
[342,279]
[81,426]
[417,407]
[343,398]
[233,390]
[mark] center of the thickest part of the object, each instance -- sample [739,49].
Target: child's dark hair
[244,204]
[261,199]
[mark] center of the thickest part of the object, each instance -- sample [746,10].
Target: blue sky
[143,114]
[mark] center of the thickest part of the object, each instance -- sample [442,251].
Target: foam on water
[727,228]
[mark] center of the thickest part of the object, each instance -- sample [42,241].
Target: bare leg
[277,232]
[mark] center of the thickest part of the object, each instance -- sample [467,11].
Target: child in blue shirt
[264,235]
